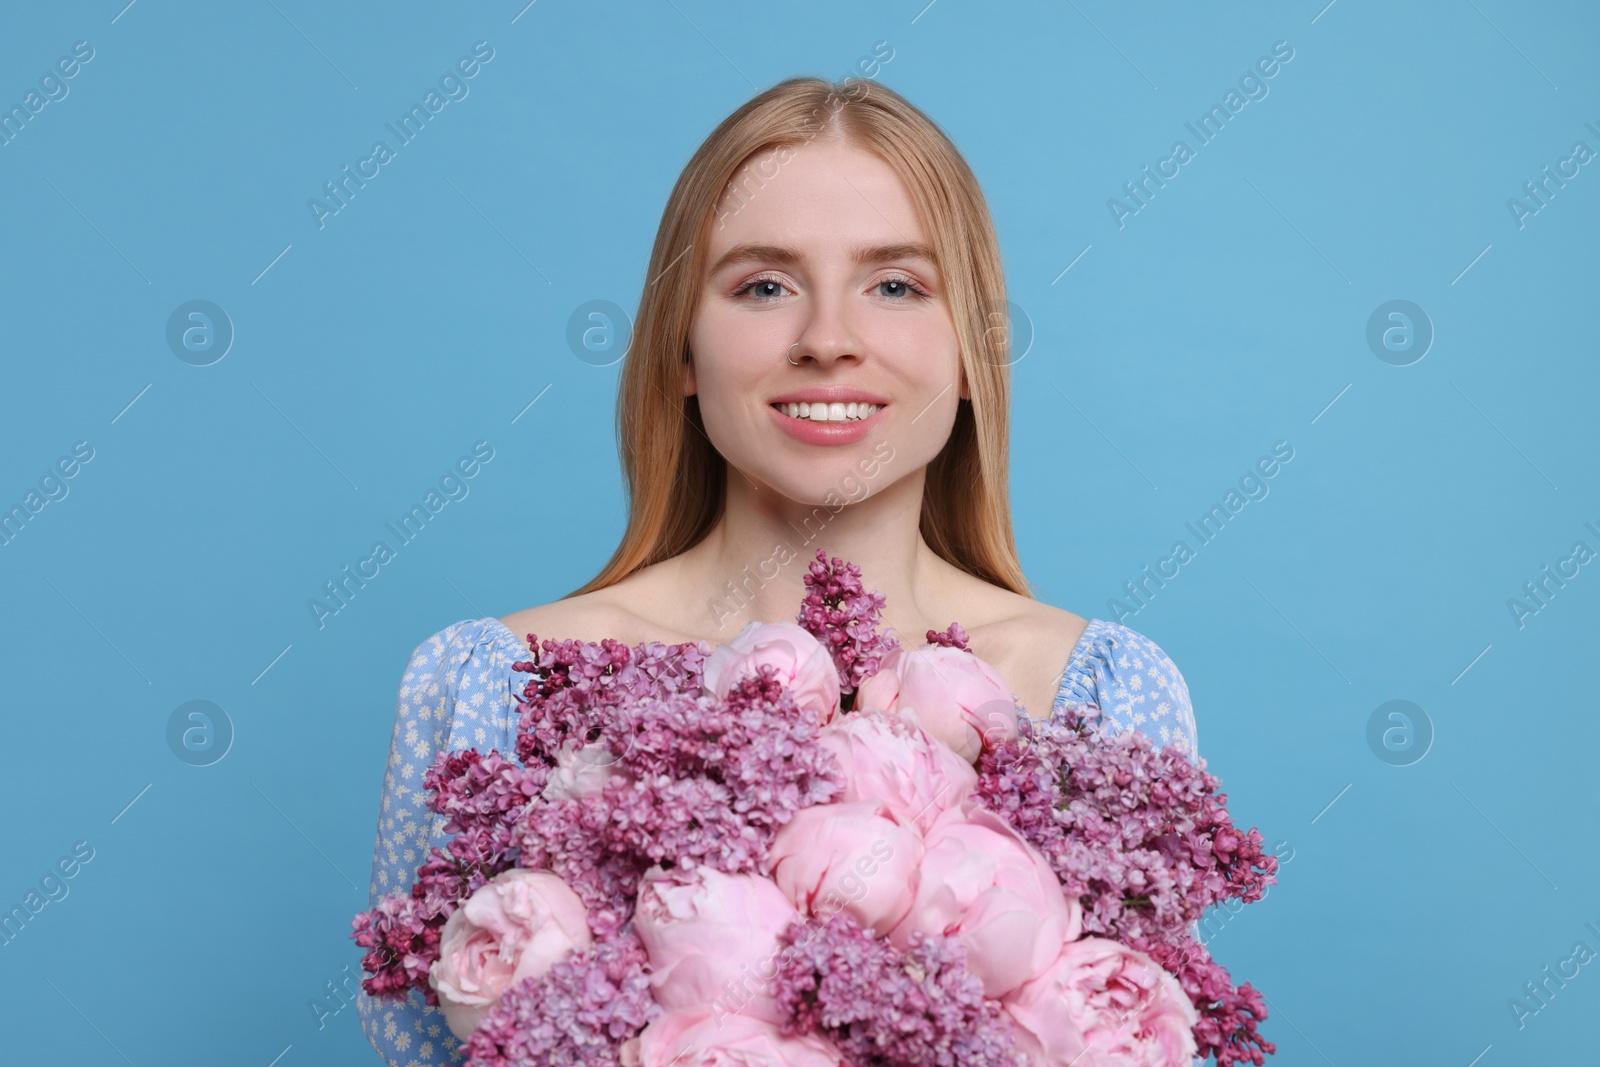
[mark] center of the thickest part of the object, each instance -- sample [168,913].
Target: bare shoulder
[1027,641]
[595,615]
[587,617]
[1012,620]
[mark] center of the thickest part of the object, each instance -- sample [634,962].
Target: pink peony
[712,939]
[581,770]
[982,882]
[804,667]
[854,858]
[1103,1004]
[517,925]
[698,1039]
[890,757]
[957,697]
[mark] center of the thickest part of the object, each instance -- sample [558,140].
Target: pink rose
[983,882]
[581,770]
[855,858]
[1103,1004]
[712,939]
[957,697]
[517,925]
[804,667]
[697,1039]
[890,757]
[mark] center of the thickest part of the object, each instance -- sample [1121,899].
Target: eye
[766,288]
[764,285]
[906,288]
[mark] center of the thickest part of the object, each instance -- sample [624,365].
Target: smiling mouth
[835,412]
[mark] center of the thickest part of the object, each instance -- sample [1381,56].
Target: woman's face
[821,245]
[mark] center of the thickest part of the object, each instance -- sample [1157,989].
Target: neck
[753,560]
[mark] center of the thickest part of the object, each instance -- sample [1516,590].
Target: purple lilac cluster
[479,796]
[694,780]
[953,636]
[578,1013]
[1142,838]
[843,616]
[887,1007]
[576,687]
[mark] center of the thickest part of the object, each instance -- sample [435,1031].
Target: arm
[456,692]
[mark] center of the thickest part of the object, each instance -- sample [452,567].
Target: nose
[827,337]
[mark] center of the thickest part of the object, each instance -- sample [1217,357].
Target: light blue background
[1228,314]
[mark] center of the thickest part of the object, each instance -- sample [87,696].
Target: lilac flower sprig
[1229,1015]
[953,636]
[884,1007]
[401,937]
[402,932]
[1142,839]
[578,1012]
[576,686]
[843,616]
[694,780]
[472,789]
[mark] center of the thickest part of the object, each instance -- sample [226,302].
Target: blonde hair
[676,480]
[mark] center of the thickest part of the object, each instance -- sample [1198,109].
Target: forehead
[817,197]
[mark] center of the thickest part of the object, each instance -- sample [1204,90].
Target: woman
[815,364]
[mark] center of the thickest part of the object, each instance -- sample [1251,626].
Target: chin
[818,489]
[835,482]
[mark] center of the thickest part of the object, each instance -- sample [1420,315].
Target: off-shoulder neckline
[1085,644]
[1085,641]
[1079,650]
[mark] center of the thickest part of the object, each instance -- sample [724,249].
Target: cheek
[726,372]
[728,352]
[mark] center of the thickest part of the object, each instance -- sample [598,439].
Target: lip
[826,433]
[828,394]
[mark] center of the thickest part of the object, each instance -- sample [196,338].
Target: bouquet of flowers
[813,847]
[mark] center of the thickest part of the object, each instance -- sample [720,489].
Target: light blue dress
[459,691]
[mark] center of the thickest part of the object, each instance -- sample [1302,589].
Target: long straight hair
[676,480]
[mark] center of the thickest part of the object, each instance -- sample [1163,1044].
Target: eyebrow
[860,254]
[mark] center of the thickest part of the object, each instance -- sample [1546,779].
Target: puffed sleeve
[1133,682]
[458,691]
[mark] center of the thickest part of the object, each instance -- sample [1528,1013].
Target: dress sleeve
[458,691]
[1133,682]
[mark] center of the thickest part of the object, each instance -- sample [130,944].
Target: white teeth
[820,412]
